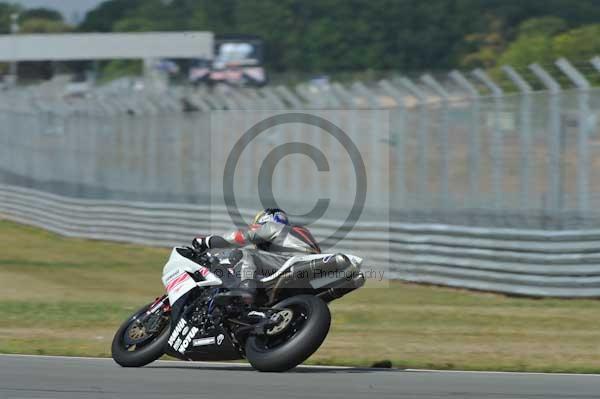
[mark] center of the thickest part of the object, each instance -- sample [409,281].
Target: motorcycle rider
[275,240]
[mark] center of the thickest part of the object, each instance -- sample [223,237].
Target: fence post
[429,81]
[277,105]
[397,142]
[234,100]
[555,178]
[377,146]
[474,136]
[273,101]
[424,198]
[295,103]
[343,95]
[524,134]
[334,189]
[352,124]
[497,149]
[596,62]
[246,119]
[291,98]
[583,155]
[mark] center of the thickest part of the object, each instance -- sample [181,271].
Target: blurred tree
[103,17]
[6,10]
[41,13]
[345,35]
[488,45]
[534,43]
[543,40]
[545,26]
[119,68]
[42,25]
[579,44]
[527,50]
[133,24]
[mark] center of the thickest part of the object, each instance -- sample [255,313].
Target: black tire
[300,345]
[149,352]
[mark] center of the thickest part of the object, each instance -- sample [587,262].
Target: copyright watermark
[329,170]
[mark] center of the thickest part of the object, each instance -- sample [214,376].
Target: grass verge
[63,296]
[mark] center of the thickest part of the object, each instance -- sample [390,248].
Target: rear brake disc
[286,316]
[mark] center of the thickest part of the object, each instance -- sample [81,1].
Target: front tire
[146,349]
[297,342]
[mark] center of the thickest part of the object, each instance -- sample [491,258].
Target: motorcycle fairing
[176,277]
[189,343]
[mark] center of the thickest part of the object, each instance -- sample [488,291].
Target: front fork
[161,302]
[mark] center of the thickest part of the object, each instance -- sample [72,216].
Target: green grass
[67,297]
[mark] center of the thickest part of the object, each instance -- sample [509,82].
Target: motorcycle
[286,323]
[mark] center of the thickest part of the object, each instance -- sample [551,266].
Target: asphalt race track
[85,378]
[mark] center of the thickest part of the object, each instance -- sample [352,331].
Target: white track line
[500,372]
[182,362]
[172,362]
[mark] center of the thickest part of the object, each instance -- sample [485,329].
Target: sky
[69,8]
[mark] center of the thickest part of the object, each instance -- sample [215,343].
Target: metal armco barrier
[562,263]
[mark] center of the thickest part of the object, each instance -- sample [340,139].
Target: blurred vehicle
[238,61]
[320,81]
[167,66]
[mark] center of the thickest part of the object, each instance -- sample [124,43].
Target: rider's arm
[234,239]
[254,234]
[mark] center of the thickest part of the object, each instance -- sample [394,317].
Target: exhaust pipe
[344,288]
[317,267]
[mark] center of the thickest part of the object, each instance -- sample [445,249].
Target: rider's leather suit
[274,244]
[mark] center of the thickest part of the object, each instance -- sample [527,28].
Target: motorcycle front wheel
[305,321]
[141,339]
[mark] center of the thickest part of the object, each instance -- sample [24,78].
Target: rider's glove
[200,244]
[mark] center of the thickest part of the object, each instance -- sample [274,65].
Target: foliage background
[345,36]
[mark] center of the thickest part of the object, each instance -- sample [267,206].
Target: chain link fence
[455,150]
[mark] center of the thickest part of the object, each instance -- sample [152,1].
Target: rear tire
[301,343]
[139,356]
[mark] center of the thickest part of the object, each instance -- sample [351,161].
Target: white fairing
[177,280]
[176,276]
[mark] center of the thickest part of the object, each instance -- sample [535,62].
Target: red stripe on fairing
[177,281]
[238,236]
[309,240]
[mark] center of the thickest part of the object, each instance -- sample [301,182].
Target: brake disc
[286,316]
[137,332]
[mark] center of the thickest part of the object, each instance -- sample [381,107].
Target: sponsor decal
[181,330]
[173,284]
[188,339]
[327,258]
[220,339]
[178,328]
[171,275]
[177,344]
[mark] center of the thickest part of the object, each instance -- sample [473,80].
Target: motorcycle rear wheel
[303,334]
[140,350]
